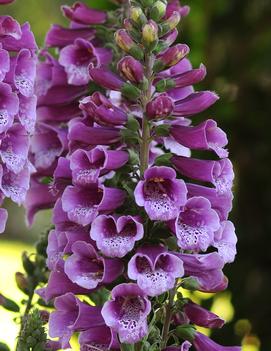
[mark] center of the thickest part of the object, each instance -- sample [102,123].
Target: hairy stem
[145,98]
[168,316]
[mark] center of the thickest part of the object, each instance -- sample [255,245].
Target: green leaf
[10,305]
[4,347]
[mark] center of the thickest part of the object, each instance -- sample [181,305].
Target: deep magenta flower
[203,343]
[87,269]
[80,13]
[131,69]
[160,107]
[200,316]
[160,193]
[99,338]
[155,269]
[72,315]
[9,107]
[196,224]
[115,237]
[127,313]
[184,347]
[106,78]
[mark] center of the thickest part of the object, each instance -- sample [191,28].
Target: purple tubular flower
[161,193]
[106,78]
[99,338]
[174,5]
[59,36]
[160,107]
[206,270]
[58,113]
[4,63]
[87,269]
[225,241]
[10,27]
[14,148]
[196,225]
[194,103]
[79,132]
[102,110]
[72,315]
[27,112]
[222,203]
[202,317]
[9,107]
[155,269]
[3,219]
[169,38]
[203,343]
[204,136]
[219,173]
[25,72]
[83,205]
[190,77]
[131,69]
[127,313]
[82,14]
[76,58]
[115,237]
[172,55]
[4,2]
[26,40]
[88,166]
[184,347]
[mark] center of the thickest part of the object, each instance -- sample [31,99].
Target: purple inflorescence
[135,212]
[17,109]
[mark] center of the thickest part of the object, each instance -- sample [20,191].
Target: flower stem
[145,98]
[168,316]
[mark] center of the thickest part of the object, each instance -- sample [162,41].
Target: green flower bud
[137,15]
[186,332]
[164,85]
[130,91]
[158,10]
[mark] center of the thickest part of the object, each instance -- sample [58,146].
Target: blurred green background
[233,39]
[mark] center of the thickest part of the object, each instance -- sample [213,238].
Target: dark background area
[233,39]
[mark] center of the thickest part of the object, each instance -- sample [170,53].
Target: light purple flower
[155,269]
[72,315]
[76,58]
[83,205]
[127,313]
[25,72]
[196,224]
[160,193]
[26,40]
[225,241]
[206,269]
[219,173]
[174,5]
[204,136]
[80,13]
[3,219]
[88,166]
[99,338]
[87,269]
[4,63]
[102,110]
[27,112]
[9,107]
[115,237]
[203,343]
[10,27]
[200,316]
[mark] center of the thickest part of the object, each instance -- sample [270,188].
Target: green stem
[145,98]
[168,316]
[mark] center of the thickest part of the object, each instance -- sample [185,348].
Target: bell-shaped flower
[196,224]
[160,193]
[59,36]
[219,173]
[200,316]
[10,27]
[9,106]
[127,313]
[26,40]
[4,63]
[25,72]
[204,136]
[27,112]
[76,58]
[88,166]
[204,343]
[106,78]
[87,269]
[225,241]
[72,315]
[83,205]
[98,338]
[82,14]
[115,237]
[155,269]
[102,110]
[206,270]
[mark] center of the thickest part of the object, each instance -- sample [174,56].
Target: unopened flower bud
[171,57]
[147,3]
[186,332]
[158,10]
[150,34]
[164,85]
[130,91]
[171,23]
[126,43]
[131,69]
[160,107]
[21,282]
[137,15]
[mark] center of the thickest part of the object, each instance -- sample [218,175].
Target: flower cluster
[137,212]
[17,109]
